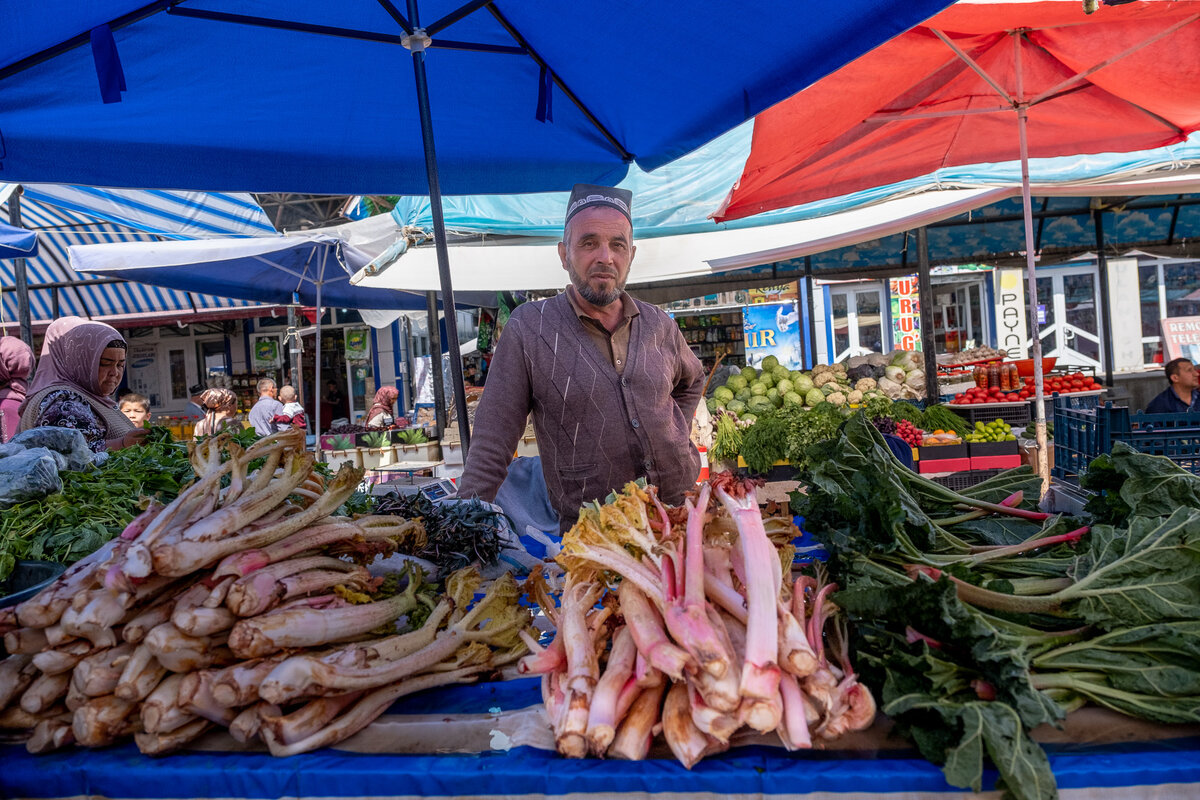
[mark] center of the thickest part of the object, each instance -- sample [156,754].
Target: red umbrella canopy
[945,94]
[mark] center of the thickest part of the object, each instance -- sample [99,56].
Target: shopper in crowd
[16,364]
[292,415]
[334,406]
[194,407]
[79,370]
[136,407]
[262,415]
[382,412]
[610,381]
[1183,389]
[220,412]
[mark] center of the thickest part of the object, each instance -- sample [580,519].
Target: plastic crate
[1015,414]
[1070,400]
[1082,434]
[965,480]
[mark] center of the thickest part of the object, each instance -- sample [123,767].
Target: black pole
[19,277]
[435,362]
[925,298]
[1105,319]
[812,315]
[417,43]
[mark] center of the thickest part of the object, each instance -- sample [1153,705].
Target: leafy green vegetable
[765,442]
[1129,483]
[95,504]
[727,438]
[972,629]
[938,417]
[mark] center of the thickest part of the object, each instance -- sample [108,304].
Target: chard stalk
[686,612]
[760,674]
[985,598]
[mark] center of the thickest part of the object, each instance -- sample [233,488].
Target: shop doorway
[856,317]
[1070,328]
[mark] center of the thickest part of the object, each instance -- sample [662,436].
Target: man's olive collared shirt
[614,346]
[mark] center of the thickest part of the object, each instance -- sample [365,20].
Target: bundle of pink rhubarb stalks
[680,622]
[243,604]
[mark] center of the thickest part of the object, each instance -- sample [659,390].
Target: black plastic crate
[987,449]
[941,452]
[1015,414]
[965,480]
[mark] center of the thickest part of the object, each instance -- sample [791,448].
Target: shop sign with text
[772,330]
[1010,313]
[906,313]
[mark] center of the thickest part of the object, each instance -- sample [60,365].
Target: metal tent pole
[317,364]
[925,298]
[435,362]
[1039,392]
[20,279]
[417,43]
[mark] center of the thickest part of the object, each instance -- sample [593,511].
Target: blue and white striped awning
[75,215]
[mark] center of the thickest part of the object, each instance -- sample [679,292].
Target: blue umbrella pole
[417,43]
[20,281]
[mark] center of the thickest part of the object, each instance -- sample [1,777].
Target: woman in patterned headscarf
[220,412]
[80,368]
[16,362]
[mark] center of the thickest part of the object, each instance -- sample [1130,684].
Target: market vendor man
[1183,389]
[610,381]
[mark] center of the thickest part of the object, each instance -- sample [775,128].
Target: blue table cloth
[1169,768]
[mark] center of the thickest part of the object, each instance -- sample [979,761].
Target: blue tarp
[17,242]
[1131,770]
[147,97]
[679,197]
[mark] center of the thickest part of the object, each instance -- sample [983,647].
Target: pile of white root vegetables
[241,605]
[700,638]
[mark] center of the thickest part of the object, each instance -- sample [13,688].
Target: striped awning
[74,215]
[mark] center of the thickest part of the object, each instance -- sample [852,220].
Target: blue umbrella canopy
[17,242]
[319,97]
[346,98]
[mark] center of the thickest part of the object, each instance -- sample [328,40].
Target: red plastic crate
[996,462]
[943,465]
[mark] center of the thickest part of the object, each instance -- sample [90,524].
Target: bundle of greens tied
[977,618]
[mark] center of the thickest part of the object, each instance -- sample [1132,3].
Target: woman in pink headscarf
[16,362]
[80,368]
[383,411]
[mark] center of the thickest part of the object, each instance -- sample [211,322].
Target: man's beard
[596,297]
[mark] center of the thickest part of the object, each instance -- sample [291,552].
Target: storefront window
[1166,290]
[870,321]
[841,324]
[177,364]
[1182,282]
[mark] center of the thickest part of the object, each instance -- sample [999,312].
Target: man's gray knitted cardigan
[596,430]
